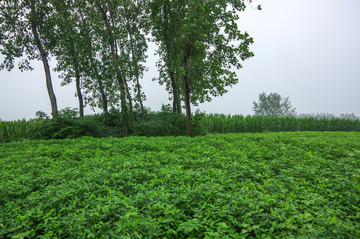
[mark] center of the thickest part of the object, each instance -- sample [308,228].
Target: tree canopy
[101,45]
[199,45]
[273,105]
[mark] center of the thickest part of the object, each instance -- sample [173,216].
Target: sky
[307,50]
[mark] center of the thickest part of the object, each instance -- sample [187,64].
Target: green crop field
[263,185]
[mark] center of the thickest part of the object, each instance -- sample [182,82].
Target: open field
[265,185]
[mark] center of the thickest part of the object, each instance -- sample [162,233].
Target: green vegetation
[269,185]
[67,125]
[273,105]
[219,123]
[164,123]
[101,46]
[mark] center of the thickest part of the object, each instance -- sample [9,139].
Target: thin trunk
[138,95]
[44,59]
[128,95]
[101,87]
[187,105]
[117,70]
[77,77]
[130,102]
[79,95]
[142,109]
[174,85]
[75,63]
[94,68]
[103,97]
[187,97]
[176,93]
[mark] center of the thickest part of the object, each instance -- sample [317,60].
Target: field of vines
[268,185]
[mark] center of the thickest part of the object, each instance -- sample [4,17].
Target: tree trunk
[117,70]
[44,59]
[142,109]
[103,97]
[174,85]
[77,77]
[79,95]
[187,106]
[138,95]
[176,93]
[130,102]
[94,68]
[187,97]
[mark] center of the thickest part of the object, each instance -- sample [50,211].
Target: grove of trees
[101,45]
[273,105]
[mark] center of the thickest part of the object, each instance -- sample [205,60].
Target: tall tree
[105,10]
[164,24]
[120,34]
[136,46]
[70,45]
[96,74]
[273,105]
[207,43]
[26,27]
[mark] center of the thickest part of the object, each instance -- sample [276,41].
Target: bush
[67,125]
[163,123]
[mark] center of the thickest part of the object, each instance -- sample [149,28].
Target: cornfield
[220,123]
[16,130]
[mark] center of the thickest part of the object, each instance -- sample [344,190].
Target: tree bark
[79,94]
[187,96]
[176,93]
[138,95]
[77,77]
[130,102]
[174,85]
[187,106]
[117,70]
[103,97]
[44,59]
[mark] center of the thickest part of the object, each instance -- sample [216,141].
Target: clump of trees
[273,105]
[101,46]
[347,116]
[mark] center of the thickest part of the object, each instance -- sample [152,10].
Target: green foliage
[275,185]
[62,127]
[200,45]
[273,105]
[220,123]
[41,115]
[163,123]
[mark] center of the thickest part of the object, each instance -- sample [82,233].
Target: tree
[69,45]
[164,26]
[25,30]
[205,45]
[136,47]
[351,116]
[97,78]
[273,105]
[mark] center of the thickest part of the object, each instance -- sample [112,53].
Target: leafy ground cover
[269,185]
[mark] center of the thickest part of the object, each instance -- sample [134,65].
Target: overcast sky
[307,50]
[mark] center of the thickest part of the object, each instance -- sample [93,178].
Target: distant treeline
[162,123]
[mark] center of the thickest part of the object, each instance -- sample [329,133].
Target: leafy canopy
[273,105]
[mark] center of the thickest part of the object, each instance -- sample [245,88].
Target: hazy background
[307,50]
